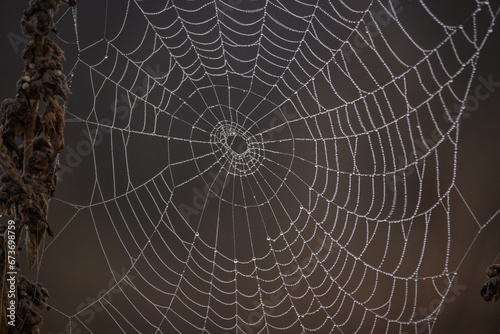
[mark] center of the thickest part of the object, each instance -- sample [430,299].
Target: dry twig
[491,289]
[29,146]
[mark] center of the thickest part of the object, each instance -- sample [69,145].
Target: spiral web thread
[272,166]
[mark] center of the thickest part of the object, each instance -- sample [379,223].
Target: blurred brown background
[74,269]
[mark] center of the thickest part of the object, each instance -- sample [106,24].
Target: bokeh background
[74,269]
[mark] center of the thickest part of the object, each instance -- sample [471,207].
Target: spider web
[267,166]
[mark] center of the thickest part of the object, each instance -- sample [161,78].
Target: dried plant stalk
[491,289]
[29,146]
